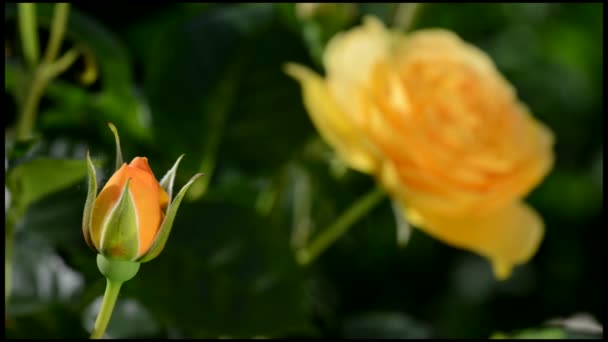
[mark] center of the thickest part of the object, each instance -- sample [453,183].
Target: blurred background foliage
[206,80]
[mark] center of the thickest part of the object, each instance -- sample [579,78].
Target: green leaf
[35,179]
[192,91]
[55,320]
[40,276]
[535,333]
[268,101]
[144,38]
[287,15]
[578,194]
[581,325]
[56,218]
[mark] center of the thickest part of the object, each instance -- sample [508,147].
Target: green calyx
[165,228]
[90,202]
[92,189]
[117,142]
[117,270]
[120,237]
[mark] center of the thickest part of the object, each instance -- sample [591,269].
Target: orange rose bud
[132,216]
[144,196]
[441,129]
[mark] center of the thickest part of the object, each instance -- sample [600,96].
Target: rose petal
[146,195]
[507,237]
[337,129]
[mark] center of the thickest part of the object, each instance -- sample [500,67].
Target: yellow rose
[438,126]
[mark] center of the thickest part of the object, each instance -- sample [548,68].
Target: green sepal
[120,235]
[167,181]
[90,202]
[117,270]
[165,228]
[118,150]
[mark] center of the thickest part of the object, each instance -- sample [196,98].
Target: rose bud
[131,218]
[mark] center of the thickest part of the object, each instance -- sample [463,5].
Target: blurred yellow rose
[438,126]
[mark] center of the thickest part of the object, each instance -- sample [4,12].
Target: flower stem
[27,117]
[60,18]
[405,14]
[29,32]
[308,254]
[8,263]
[40,74]
[13,215]
[107,306]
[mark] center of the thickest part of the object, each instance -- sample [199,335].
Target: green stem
[61,64]
[308,254]
[60,18]
[29,108]
[42,74]
[13,215]
[107,306]
[8,264]
[405,15]
[29,32]
[40,78]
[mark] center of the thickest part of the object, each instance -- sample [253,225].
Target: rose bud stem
[116,273]
[128,223]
